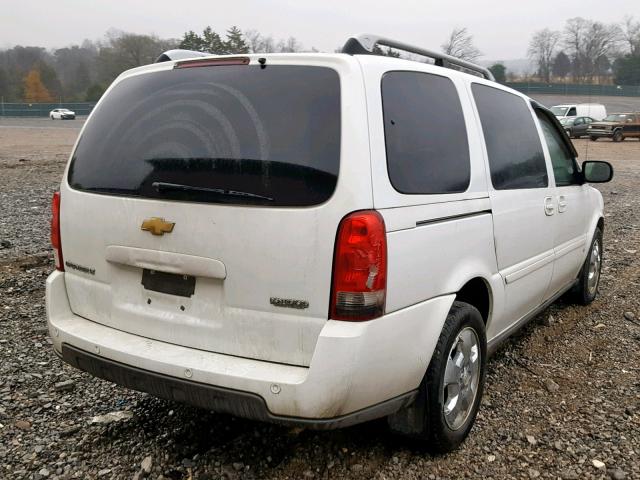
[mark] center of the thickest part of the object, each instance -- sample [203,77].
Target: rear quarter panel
[436,243]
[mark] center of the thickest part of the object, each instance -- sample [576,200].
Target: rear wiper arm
[177,187]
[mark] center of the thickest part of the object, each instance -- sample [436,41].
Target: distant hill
[518,66]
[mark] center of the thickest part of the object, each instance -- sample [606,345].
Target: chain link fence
[575,89]
[42,109]
[528,88]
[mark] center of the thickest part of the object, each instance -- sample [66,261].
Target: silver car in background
[62,114]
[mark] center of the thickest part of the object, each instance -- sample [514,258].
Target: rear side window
[425,134]
[515,153]
[234,134]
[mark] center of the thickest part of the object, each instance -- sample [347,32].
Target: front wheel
[586,288]
[593,139]
[451,391]
[617,136]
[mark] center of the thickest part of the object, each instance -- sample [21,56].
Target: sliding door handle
[549,208]
[562,203]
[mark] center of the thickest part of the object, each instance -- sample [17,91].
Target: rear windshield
[223,134]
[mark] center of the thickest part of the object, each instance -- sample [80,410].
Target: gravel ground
[585,423]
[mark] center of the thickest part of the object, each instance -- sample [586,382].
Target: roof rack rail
[179,54]
[366,43]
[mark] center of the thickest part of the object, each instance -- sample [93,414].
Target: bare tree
[631,35]
[587,41]
[602,42]
[460,45]
[259,43]
[254,40]
[573,38]
[542,50]
[290,45]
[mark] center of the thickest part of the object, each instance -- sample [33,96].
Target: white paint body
[229,334]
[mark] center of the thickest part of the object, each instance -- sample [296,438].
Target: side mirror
[597,172]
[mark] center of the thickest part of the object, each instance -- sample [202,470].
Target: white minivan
[597,111]
[317,239]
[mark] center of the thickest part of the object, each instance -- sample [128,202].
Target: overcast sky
[501,28]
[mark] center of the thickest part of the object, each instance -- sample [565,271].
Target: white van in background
[597,111]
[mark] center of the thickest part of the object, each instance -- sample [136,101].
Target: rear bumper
[235,402]
[359,371]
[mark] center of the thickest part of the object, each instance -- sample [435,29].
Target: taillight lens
[359,267]
[55,231]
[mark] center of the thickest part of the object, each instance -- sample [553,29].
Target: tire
[618,136]
[52,117]
[426,419]
[586,290]
[593,139]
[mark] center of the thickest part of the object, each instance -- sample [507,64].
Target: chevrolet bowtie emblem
[157,226]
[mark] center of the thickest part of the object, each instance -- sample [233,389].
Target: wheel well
[476,292]
[601,224]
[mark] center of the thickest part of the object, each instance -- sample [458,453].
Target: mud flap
[412,420]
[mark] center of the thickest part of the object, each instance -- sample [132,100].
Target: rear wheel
[586,289]
[451,391]
[617,136]
[593,139]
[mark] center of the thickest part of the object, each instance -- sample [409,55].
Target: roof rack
[179,54]
[365,44]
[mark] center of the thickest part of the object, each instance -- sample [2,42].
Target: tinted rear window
[230,134]
[515,153]
[425,134]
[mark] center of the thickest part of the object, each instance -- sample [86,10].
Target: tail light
[212,62]
[359,268]
[55,231]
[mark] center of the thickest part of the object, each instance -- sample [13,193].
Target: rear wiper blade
[177,187]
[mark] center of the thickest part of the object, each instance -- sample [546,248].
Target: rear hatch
[202,202]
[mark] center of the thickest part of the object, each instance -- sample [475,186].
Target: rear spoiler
[180,54]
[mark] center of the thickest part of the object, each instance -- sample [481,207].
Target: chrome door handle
[562,203]
[549,208]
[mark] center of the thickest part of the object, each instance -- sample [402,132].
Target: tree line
[588,50]
[82,72]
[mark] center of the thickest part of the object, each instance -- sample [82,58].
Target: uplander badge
[289,303]
[80,268]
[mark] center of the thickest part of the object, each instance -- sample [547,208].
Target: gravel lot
[586,424]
